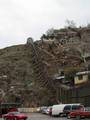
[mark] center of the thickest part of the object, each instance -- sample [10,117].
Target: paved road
[39,116]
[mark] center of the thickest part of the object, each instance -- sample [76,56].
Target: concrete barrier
[28,110]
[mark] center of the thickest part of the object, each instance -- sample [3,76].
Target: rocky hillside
[22,67]
[66,48]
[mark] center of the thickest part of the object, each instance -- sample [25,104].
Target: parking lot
[39,116]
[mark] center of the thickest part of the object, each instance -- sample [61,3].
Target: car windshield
[67,107]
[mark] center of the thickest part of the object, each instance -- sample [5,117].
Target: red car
[79,114]
[71,108]
[14,116]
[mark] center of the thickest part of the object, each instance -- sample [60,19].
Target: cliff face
[61,50]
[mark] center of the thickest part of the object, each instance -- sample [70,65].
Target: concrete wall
[28,110]
[76,95]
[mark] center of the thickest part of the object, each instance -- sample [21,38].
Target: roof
[83,73]
[78,73]
[60,77]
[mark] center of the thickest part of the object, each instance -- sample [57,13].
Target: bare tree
[50,31]
[70,23]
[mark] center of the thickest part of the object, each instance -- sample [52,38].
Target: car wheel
[60,114]
[68,116]
[25,118]
[5,118]
[83,117]
[15,119]
[78,117]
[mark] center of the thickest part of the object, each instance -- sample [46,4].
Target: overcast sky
[20,19]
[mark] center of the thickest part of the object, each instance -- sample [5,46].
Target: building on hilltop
[79,92]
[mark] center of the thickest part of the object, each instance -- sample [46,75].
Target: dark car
[15,116]
[70,108]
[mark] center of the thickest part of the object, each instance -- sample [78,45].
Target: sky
[20,19]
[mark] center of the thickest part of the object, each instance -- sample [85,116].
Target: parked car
[44,110]
[8,107]
[80,114]
[57,110]
[73,107]
[15,116]
[49,110]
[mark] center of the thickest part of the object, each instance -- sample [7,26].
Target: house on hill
[78,93]
[81,77]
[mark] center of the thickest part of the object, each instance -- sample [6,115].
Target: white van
[57,110]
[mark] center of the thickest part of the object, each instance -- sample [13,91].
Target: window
[75,107]
[80,77]
[68,107]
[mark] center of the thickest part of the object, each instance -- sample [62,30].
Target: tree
[70,24]
[50,31]
[83,54]
[44,36]
[88,25]
[70,73]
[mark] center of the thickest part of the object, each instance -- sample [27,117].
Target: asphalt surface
[39,116]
